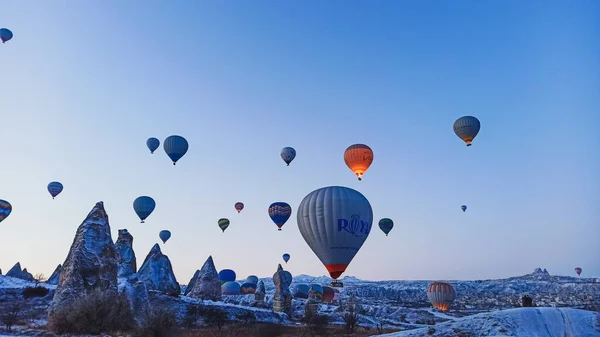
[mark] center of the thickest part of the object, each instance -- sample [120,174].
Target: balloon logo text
[355,227]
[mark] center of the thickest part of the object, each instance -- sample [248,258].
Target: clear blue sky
[85,83]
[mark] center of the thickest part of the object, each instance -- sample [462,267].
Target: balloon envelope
[164,235]
[578,270]
[239,206]
[467,128]
[335,221]
[252,279]
[5,209]
[288,154]
[358,158]
[143,207]
[248,288]
[280,212]
[328,294]
[226,275]
[5,34]
[463,207]
[223,224]
[230,288]
[301,290]
[441,295]
[152,144]
[175,147]
[54,188]
[286,257]
[386,225]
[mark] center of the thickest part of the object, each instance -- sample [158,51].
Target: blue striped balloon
[143,207]
[55,188]
[280,212]
[175,147]
[467,128]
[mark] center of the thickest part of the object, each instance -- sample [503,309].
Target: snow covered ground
[522,322]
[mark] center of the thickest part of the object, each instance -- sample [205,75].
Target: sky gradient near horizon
[84,84]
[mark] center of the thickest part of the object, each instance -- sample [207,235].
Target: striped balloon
[358,158]
[143,207]
[335,221]
[441,295]
[152,144]
[386,225]
[223,224]
[280,212]
[239,206]
[467,128]
[55,188]
[175,147]
[5,209]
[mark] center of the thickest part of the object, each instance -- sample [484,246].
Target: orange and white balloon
[441,295]
[358,157]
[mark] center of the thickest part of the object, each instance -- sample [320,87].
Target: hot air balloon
[578,271]
[252,279]
[280,212]
[5,34]
[467,128]
[152,144]
[248,288]
[358,157]
[239,206]
[226,275]
[335,221]
[175,147]
[441,295]
[286,257]
[386,225]
[5,209]
[301,291]
[164,235]
[336,296]
[223,224]
[328,295]
[55,188]
[143,207]
[463,207]
[230,288]
[288,154]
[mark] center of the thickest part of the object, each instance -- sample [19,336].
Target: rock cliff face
[125,254]
[205,284]
[282,299]
[91,262]
[157,273]
[191,284]
[16,272]
[55,277]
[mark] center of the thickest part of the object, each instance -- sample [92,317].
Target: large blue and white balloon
[335,221]
[143,207]
[54,188]
[175,147]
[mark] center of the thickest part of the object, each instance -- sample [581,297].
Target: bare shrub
[12,314]
[39,278]
[192,314]
[30,292]
[161,322]
[381,325]
[246,317]
[431,331]
[214,317]
[93,313]
[350,313]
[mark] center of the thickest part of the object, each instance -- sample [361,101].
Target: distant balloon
[288,276]
[467,128]
[336,296]
[328,295]
[578,271]
[317,288]
[239,206]
[223,224]
[152,144]
[358,158]
[175,147]
[230,288]
[55,188]
[286,257]
[288,154]
[252,279]
[248,288]
[386,225]
[301,291]
[463,207]
[226,275]
[5,34]
[335,221]
[441,295]
[280,212]
[5,209]
[164,235]
[143,207]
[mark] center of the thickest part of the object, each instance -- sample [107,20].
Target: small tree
[215,317]
[381,325]
[39,278]
[350,313]
[246,317]
[11,314]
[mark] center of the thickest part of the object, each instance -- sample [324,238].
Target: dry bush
[30,292]
[161,322]
[12,314]
[93,313]
[214,317]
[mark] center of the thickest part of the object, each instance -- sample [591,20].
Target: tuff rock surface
[282,299]
[55,277]
[205,284]
[157,273]
[138,298]
[91,263]
[125,254]
[16,272]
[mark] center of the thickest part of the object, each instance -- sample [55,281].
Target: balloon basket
[337,284]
